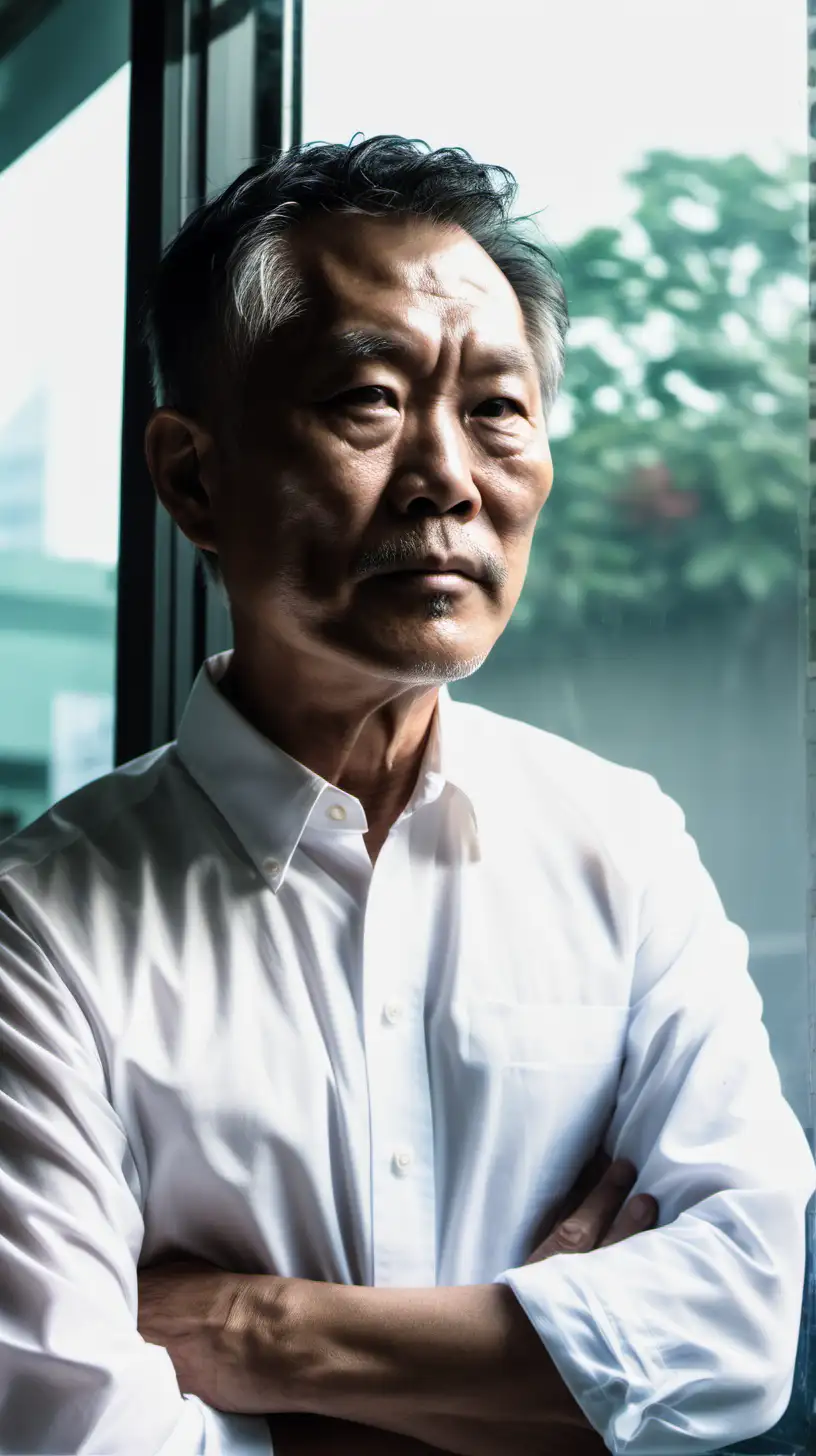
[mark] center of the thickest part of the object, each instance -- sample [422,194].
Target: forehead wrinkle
[447,273]
[430,280]
[426,334]
[441,296]
[450,333]
[462,288]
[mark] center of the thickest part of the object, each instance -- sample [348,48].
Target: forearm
[460,1368]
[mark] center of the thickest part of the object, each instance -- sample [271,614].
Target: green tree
[681,483]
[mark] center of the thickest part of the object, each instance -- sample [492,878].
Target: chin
[428,653]
[416,671]
[424,663]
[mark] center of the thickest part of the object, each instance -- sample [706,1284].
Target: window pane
[663,149]
[62,277]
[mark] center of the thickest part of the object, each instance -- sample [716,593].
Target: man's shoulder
[91,820]
[537,773]
[510,747]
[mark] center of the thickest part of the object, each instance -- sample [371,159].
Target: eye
[498,408]
[364,394]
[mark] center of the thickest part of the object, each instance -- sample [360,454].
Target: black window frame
[193,127]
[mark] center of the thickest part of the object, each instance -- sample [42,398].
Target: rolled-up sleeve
[76,1375]
[683,1338]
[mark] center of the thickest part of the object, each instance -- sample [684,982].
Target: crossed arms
[685,1333]
[457,1369]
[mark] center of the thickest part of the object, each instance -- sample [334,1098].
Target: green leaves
[681,485]
[712,566]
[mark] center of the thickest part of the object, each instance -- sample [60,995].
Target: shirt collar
[270,799]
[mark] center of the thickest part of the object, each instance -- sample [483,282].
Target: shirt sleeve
[76,1375]
[683,1338]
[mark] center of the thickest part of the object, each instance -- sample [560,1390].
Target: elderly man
[314,1017]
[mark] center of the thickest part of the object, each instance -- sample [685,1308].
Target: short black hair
[228,280]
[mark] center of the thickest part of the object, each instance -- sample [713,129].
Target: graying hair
[228,281]
[265,290]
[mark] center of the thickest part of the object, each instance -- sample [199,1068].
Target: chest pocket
[561,1034]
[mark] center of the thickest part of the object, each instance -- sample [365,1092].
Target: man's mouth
[426,580]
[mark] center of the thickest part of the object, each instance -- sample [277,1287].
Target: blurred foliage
[680,485]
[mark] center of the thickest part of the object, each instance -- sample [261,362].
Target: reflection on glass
[662,149]
[62,278]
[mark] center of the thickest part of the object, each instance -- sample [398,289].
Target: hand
[219,1330]
[595,1212]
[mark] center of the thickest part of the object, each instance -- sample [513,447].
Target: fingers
[588,1178]
[584,1229]
[638,1214]
[589,1175]
[595,1216]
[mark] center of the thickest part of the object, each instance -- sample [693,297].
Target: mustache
[412,549]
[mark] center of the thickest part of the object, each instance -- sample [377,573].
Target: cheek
[303,494]
[350,476]
[540,465]
[515,497]
[514,504]
[336,479]
[518,560]
[294,525]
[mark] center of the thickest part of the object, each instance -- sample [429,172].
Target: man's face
[397,424]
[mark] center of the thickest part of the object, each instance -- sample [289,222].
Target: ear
[183,466]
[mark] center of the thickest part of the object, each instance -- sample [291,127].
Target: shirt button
[402,1160]
[272,868]
[336,811]
[393,1012]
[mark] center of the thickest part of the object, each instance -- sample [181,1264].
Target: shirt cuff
[585,1346]
[232,1435]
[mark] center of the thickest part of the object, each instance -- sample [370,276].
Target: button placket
[402,1156]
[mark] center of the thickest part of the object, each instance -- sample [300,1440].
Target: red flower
[650,497]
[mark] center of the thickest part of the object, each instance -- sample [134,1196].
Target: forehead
[407,272]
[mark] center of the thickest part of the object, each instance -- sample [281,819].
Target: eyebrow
[357,346]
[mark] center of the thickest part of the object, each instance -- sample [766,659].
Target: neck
[366,736]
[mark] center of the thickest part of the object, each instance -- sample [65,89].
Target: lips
[429,571]
[451,583]
[461,566]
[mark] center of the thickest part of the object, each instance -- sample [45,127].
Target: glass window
[62,289]
[662,148]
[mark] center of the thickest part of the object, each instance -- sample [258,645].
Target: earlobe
[179,458]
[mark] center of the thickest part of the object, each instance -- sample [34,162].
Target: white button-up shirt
[227,1036]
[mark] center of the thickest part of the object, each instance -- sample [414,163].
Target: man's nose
[433,474]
